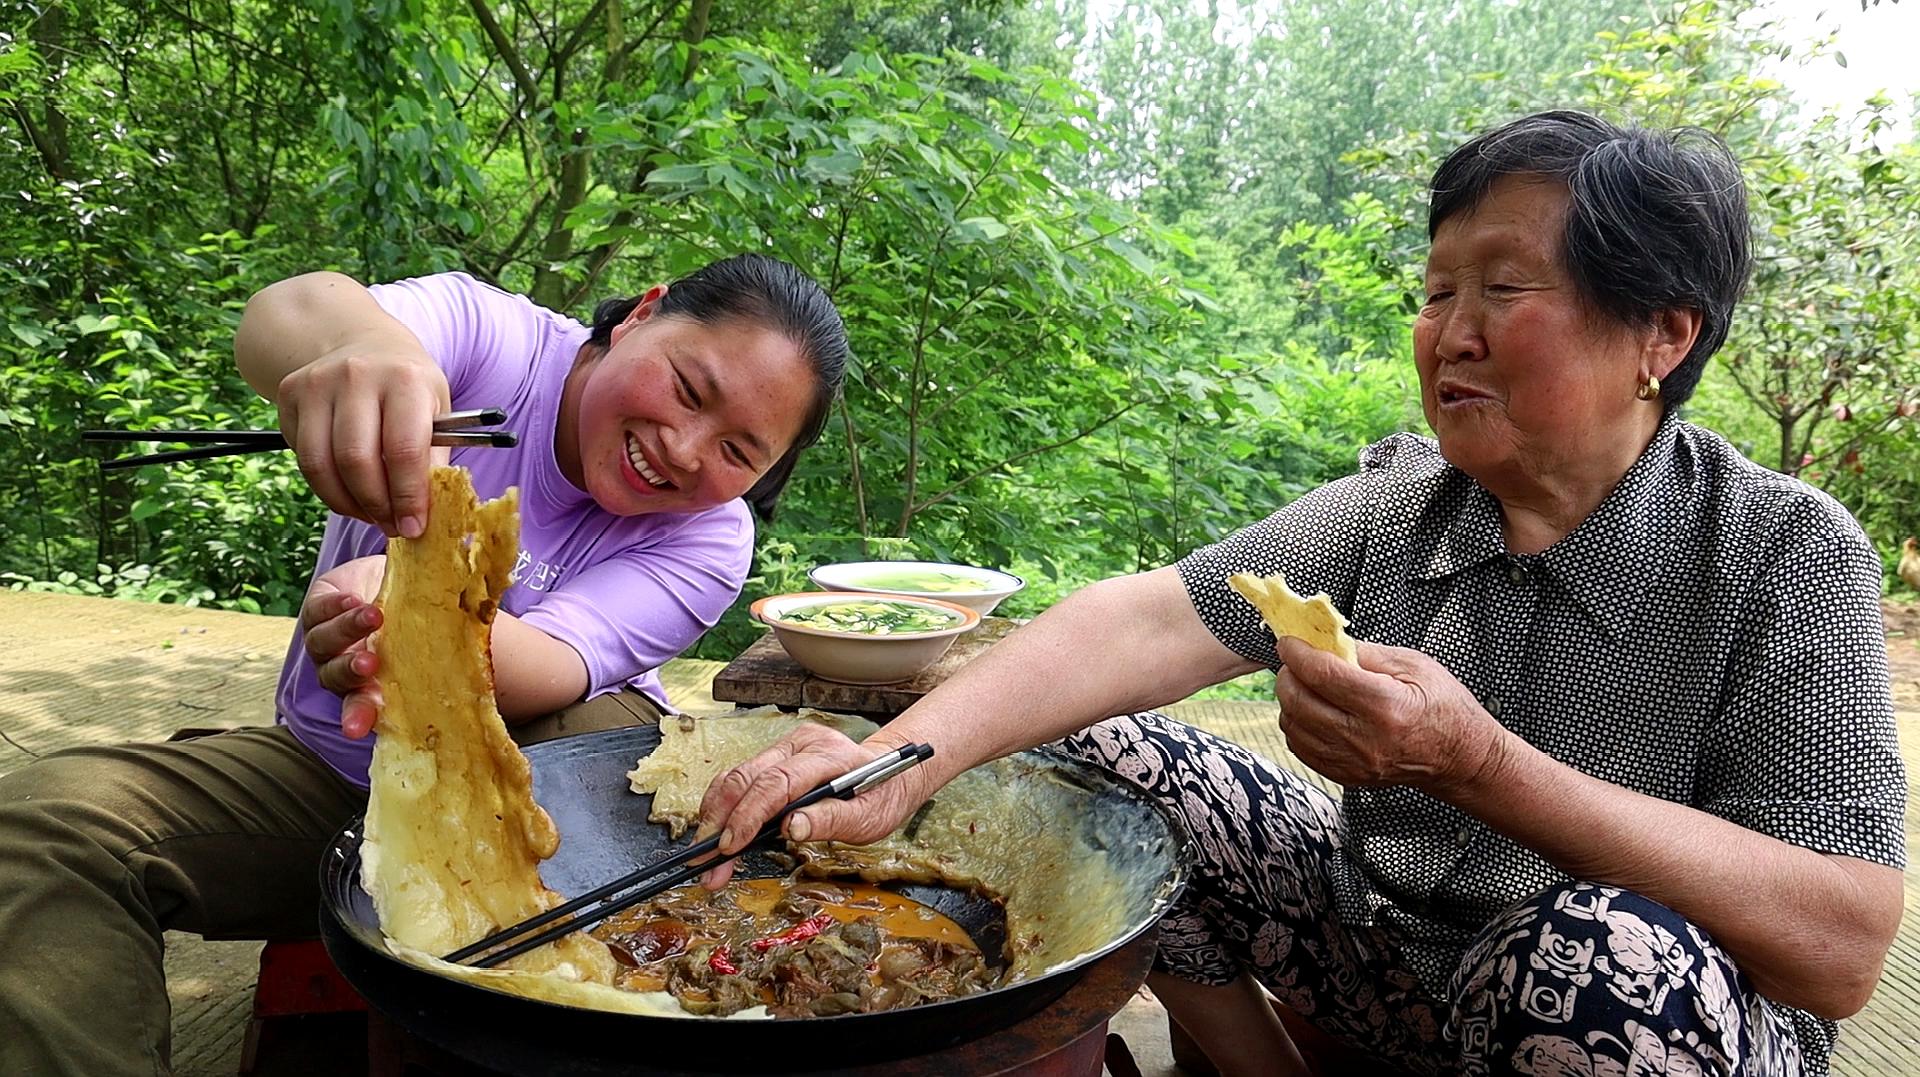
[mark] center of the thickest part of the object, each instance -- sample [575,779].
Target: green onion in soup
[871,617]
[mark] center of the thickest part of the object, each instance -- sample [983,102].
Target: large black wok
[604,833]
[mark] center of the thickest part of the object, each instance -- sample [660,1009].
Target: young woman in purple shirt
[645,439]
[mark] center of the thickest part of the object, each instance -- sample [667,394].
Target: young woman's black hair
[769,292]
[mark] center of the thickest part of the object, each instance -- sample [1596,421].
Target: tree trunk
[49,133]
[549,277]
[693,33]
[576,179]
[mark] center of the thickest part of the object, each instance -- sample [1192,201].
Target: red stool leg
[296,979]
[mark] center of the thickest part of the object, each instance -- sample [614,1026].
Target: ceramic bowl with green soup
[979,589]
[862,638]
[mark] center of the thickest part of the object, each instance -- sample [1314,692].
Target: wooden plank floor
[80,670]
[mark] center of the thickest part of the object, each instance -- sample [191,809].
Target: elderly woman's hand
[739,802]
[1400,719]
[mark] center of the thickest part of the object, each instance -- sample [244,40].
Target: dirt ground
[1903,648]
[1903,660]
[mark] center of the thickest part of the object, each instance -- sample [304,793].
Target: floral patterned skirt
[1578,980]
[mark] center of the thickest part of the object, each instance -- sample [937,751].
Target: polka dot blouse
[1710,635]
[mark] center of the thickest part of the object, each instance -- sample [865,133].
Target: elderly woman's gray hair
[1657,219]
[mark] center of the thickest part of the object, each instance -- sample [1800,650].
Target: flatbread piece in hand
[1312,621]
[454,838]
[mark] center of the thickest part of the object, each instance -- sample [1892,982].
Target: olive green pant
[102,849]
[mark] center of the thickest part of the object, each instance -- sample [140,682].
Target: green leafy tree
[997,315]
[1094,326]
[1829,351]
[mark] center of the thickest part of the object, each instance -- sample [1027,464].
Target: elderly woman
[1622,789]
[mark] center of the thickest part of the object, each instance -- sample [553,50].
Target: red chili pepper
[721,961]
[799,932]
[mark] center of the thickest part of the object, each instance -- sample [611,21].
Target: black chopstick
[269,439]
[447,432]
[455,420]
[205,452]
[654,889]
[493,439]
[846,786]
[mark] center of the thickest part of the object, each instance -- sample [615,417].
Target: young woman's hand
[337,617]
[361,422]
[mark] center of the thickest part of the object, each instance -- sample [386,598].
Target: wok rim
[340,870]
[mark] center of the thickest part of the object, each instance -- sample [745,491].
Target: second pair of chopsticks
[448,429]
[679,867]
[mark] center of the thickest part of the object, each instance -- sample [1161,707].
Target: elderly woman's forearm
[1808,929]
[1116,647]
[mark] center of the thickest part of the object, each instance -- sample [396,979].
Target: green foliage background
[1116,285]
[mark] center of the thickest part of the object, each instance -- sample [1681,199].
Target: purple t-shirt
[627,592]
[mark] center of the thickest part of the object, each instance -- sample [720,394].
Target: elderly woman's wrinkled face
[1519,379]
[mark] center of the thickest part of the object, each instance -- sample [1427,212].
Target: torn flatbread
[453,836]
[1312,621]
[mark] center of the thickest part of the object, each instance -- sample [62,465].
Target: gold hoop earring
[1650,389]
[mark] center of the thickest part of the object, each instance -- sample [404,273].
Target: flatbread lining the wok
[1313,621]
[693,752]
[453,837]
[1004,828]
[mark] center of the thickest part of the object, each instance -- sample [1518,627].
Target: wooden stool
[1325,1056]
[765,675]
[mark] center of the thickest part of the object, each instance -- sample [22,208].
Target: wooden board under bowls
[765,675]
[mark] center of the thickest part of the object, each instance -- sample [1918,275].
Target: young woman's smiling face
[679,415]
